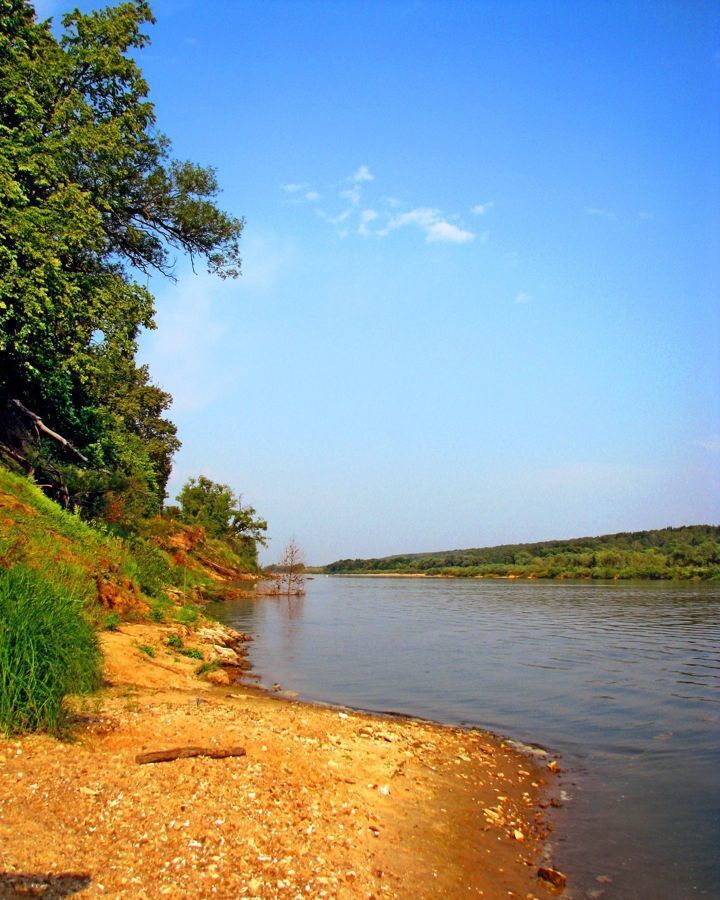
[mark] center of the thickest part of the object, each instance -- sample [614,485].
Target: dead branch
[158,756]
[40,426]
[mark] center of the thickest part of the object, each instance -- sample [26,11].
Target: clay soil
[326,802]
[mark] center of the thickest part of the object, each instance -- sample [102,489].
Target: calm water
[623,680]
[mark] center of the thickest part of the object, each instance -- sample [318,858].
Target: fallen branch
[41,426]
[158,756]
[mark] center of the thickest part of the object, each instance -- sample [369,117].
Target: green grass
[48,649]
[147,650]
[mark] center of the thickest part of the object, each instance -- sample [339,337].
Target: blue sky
[481,267]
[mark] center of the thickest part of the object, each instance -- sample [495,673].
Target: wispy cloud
[448,233]
[352,196]
[711,443]
[600,213]
[522,297]
[386,215]
[362,174]
[432,223]
[366,216]
[481,208]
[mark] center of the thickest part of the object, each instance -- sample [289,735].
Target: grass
[48,649]
[147,650]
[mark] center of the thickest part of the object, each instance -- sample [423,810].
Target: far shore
[327,802]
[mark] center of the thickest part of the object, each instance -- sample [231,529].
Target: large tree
[91,202]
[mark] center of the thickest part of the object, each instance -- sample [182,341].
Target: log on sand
[158,756]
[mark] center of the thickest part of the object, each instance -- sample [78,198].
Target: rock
[553,766]
[553,876]
[219,677]
[226,656]
[254,886]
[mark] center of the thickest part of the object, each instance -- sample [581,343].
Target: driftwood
[158,756]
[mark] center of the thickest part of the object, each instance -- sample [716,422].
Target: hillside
[688,552]
[163,570]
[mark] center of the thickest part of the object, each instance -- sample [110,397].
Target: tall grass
[48,649]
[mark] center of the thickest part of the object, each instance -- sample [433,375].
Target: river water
[622,679]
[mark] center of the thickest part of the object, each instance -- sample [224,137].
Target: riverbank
[325,802]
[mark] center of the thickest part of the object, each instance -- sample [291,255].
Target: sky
[480,299]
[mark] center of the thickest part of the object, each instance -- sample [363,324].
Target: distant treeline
[689,552]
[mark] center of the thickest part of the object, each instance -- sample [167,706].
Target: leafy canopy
[92,202]
[216,508]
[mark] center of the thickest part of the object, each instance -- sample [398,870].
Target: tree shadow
[46,885]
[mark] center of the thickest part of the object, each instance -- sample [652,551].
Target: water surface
[622,679]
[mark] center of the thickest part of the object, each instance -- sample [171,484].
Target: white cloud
[362,174]
[295,188]
[600,213]
[448,233]
[182,352]
[366,216]
[523,297]
[436,228]
[352,196]
[711,443]
[312,196]
[645,216]
[423,216]
[481,208]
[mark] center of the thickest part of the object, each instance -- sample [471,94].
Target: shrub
[48,649]
[147,650]
[187,615]
[191,652]
[111,622]
[175,641]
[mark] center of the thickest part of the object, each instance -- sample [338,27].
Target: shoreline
[328,801]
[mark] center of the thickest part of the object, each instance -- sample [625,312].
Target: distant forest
[689,552]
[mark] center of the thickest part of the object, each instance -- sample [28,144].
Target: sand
[326,802]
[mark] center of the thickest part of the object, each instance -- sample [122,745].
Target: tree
[92,202]
[216,508]
[291,569]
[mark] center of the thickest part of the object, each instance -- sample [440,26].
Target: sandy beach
[325,803]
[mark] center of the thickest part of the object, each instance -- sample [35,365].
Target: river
[622,679]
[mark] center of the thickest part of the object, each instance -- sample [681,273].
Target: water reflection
[621,678]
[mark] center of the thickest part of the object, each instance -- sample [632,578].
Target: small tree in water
[291,570]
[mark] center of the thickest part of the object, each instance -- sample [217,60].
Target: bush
[111,622]
[48,649]
[187,615]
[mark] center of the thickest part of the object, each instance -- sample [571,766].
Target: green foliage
[191,652]
[207,667]
[149,567]
[691,551]
[175,641]
[111,622]
[147,650]
[215,508]
[187,615]
[92,202]
[47,650]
